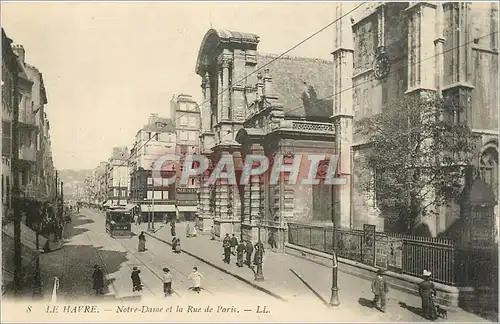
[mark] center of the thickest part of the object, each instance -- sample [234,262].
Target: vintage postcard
[249,161]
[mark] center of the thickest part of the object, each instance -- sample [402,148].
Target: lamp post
[334,300]
[37,287]
[153,213]
[259,275]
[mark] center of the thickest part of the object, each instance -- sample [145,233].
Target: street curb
[264,290]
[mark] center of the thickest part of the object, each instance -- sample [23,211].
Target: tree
[418,152]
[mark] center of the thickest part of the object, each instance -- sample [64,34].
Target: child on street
[196,277]
[167,282]
[380,290]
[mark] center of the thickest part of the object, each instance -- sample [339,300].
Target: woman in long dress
[98,280]
[142,242]
[427,292]
[176,246]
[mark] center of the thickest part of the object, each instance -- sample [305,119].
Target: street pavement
[87,244]
[300,281]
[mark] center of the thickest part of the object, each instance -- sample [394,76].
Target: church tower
[343,115]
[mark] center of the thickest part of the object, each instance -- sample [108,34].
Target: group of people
[232,247]
[98,280]
[167,279]
[426,290]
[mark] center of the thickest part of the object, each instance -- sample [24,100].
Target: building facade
[449,49]
[10,69]
[25,163]
[186,113]
[119,176]
[300,106]
[153,193]
[277,111]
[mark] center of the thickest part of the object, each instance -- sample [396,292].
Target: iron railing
[449,263]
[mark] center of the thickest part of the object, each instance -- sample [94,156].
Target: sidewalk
[281,282]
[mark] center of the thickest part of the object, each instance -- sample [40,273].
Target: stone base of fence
[446,295]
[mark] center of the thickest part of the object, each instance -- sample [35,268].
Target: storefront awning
[187,209]
[130,206]
[157,208]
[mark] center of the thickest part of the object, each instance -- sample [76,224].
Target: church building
[255,103]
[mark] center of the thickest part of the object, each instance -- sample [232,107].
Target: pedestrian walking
[380,290]
[136,219]
[172,227]
[195,277]
[167,282]
[176,245]
[97,280]
[272,240]
[188,230]
[240,250]
[259,252]
[212,232]
[249,251]
[192,231]
[234,244]
[60,230]
[142,242]
[427,293]
[226,245]
[136,279]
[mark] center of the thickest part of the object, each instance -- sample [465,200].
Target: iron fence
[410,255]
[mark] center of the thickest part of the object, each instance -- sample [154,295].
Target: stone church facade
[447,48]
[264,104]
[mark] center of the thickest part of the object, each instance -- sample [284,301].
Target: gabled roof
[168,128]
[304,85]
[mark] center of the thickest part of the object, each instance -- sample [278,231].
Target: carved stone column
[225,89]
[206,106]
[205,216]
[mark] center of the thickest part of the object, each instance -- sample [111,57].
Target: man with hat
[380,290]
[427,293]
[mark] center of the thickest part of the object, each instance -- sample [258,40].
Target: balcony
[27,153]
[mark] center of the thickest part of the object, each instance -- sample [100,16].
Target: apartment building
[154,195]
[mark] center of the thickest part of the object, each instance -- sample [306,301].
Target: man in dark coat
[249,250]
[172,227]
[226,245]
[240,250]
[380,290]
[234,244]
[136,279]
[427,293]
[259,253]
[98,280]
[272,240]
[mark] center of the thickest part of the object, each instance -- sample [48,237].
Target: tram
[118,221]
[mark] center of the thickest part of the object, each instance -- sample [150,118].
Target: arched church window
[488,168]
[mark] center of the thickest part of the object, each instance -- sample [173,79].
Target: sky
[108,65]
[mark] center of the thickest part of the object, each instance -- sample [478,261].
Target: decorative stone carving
[316,127]
[225,63]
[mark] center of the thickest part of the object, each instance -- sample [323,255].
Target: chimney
[20,52]
[267,83]
[260,87]
[153,118]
